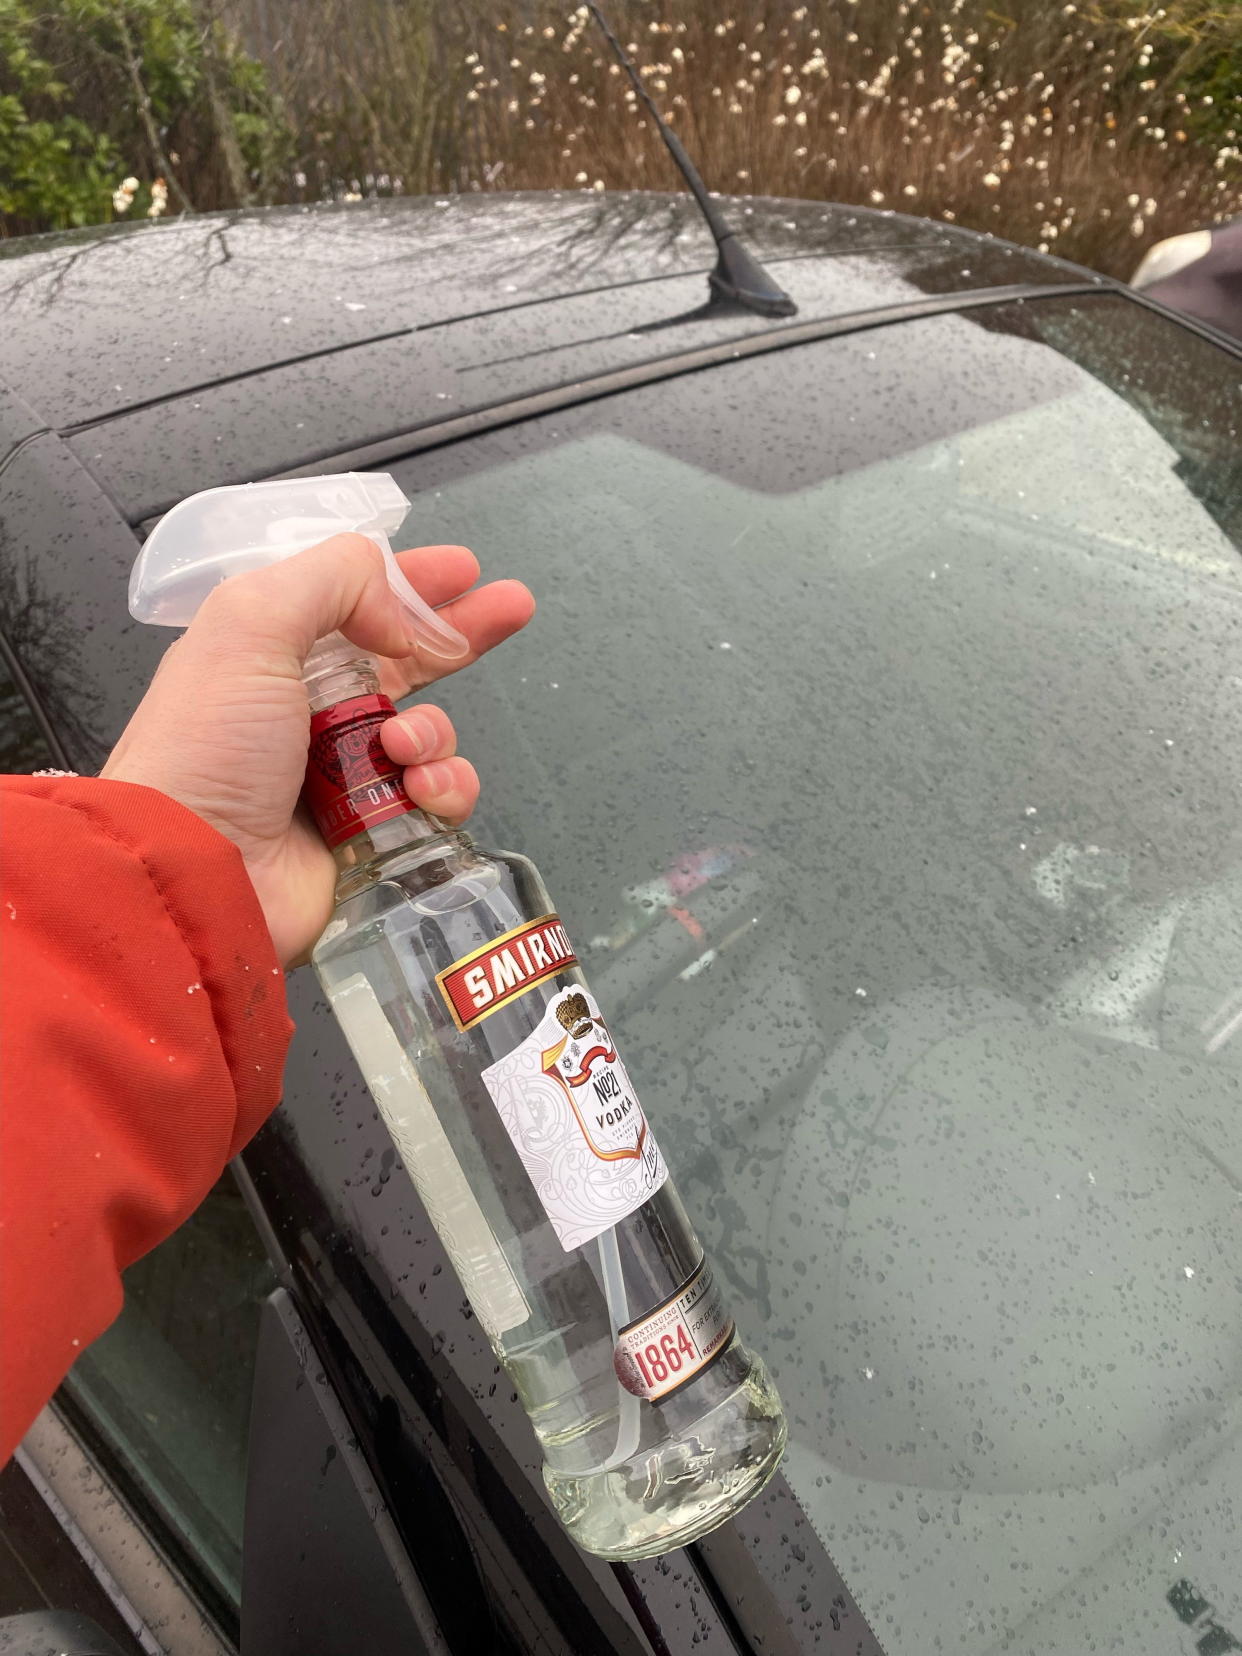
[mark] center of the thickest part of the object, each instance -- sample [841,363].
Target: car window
[23,746]
[880,735]
[166,1390]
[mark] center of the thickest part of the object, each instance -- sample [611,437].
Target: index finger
[486,617]
[440,573]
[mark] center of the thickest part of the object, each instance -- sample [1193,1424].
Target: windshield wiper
[739,280]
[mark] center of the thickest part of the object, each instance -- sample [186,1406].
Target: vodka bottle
[498,1076]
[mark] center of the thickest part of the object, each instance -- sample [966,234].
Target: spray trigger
[222,532]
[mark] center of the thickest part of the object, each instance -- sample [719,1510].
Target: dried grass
[1035,121]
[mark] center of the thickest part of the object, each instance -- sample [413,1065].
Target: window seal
[112,1532]
[1192,324]
[676,363]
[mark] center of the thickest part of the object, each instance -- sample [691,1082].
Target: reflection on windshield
[909,861]
[667,896]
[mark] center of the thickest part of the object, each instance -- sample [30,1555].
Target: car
[1200,273]
[880,735]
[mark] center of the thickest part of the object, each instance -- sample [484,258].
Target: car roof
[111,321]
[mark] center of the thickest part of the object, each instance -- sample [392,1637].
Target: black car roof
[98,321]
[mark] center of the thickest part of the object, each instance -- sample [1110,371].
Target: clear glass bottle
[496,1073]
[497,1076]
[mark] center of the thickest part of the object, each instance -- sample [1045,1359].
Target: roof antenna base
[739,279]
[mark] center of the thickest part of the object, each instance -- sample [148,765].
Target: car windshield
[880,736]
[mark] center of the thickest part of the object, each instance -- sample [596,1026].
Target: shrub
[54,166]
[1086,127]
[94,91]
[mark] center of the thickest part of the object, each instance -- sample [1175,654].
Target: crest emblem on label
[567,1103]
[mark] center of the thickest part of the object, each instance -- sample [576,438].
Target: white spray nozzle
[223,532]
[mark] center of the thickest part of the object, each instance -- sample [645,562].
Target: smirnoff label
[495,975]
[672,1345]
[571,1111]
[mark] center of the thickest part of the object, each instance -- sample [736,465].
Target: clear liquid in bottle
[499,1079]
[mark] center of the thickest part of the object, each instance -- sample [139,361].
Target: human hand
[224,726]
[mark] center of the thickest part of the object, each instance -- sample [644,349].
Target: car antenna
[738,279]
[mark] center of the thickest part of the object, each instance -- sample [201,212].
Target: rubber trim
[417,439]
[1192,324]
[24,442]
[146,1515]
[656,368]
[451,322]
[228,379]
[130,1565]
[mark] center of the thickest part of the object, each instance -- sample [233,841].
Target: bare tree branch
[221,114]
[133,67]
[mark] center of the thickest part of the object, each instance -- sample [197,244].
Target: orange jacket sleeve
[142,1013]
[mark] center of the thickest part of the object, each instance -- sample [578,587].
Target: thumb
[340,585]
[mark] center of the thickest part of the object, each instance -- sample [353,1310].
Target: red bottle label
[673,1344]
[351,783]
[481,983]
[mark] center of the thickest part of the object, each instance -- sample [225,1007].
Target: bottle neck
[353,789]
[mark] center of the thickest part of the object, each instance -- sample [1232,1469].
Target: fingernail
[436,779]
[420,729]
